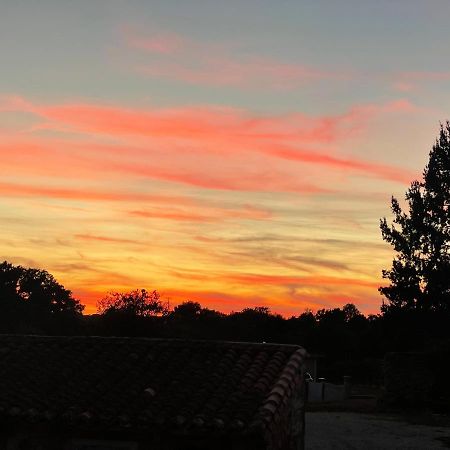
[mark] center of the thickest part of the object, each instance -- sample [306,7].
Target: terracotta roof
[145,383]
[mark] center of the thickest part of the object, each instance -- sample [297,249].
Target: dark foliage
[420,273]
[32,301]
[133,313]
[137,303]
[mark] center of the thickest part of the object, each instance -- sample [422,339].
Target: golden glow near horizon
[233,174]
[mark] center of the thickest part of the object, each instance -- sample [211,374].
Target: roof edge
[283,388]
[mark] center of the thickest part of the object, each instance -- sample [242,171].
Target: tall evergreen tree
[420,273]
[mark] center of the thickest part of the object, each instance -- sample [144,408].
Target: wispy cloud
[245,73]
[106,239]
[261,279]
[177,208]
[383,171]
[169,175]
[250,179]
[412,80]
[31,190]
[160,43]
[211,214]
[176,57]
[190,133]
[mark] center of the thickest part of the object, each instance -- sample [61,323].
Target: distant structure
[96,393]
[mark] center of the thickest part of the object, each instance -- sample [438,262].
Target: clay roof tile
[138,382]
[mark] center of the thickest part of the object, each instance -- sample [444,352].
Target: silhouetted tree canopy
[420,273]
[187,310]
[32,297]
[137,303]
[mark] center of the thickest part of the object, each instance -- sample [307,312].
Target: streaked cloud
[174,198]
[211,214]
[106,239]
[176,57]
[190,133]
[412,80]
[28,190]
[160,43]
[246,73]
[300,281]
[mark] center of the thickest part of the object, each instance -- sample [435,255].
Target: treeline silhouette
[346,341]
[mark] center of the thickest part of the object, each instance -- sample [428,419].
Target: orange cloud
[225,302]
[285,304]
[301,281]
[199,211]
[211,214]
[183,216]
[228,301]
[107,239]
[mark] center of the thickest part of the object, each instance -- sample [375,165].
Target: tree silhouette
[31,299]
[187,310]
[420,273]
[137,303]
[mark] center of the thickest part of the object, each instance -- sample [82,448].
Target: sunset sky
[236,153]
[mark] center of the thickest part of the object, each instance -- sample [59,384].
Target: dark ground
[359,424]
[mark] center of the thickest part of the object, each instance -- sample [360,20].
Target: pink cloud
[227,179]
[173,214]
[160,43]
[404,86]
[93,163]
[353,165]
[194,62]
[174,145]
[410,81]
[426,76]
[88,194]
[208,123]
[177,208]
[248,73]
